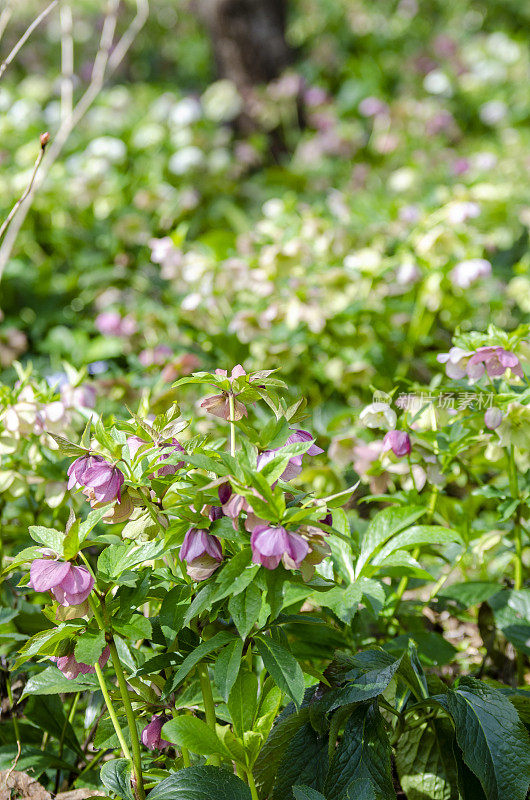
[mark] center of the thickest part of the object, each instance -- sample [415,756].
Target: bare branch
[104,65]
[5,16]
[44,139]
[67,60]
[25,36]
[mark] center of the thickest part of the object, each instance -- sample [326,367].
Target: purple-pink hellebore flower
[273,543]
[78,468]
[219,404]
[294,466]
[398,442]
[111,323]
[152,733]
[493,418]
[70,585]
[202,552]
[493,360]
[71,668]
[170,469]
[104,482]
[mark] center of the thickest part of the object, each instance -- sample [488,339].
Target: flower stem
[232,425]
[252,785]
[129,713]
[209,705]
[131,722]
[112,712]
[518,564]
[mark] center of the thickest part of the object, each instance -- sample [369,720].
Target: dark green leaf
[227,667]
[245,609]
[494,742]
[283,667]
[362,761]
[116,775]
[425,762]
[201,783]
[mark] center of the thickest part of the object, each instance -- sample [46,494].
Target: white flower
[378,415]
[467,272]
[186,159]
[455,360]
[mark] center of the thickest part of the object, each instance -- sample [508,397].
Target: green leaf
[89,647]
[116,558]
[245,609]
[116,775]
[243,701]
[200,652]
[49,537]
[495,744]
[305,761]
[52,681]
[67,448]
[272,752]
[385,524]
[194,734]
[236,575]
[361,764]
[365,687]
[201,783]
[173,610]
[415,536]
[305,793]
[425,762]
[137,627]
[469,594]
[283,668]
[227,667]
[47,712]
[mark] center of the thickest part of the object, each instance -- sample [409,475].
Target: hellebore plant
[227,616]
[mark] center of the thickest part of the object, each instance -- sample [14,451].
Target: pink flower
[72,668]
[294,466]
[202,552]
[102,481]
[372,107]
[398,442]
[152,733]
[83,396]
[273,543]
[467,272]
[170,469]
[111,323]
[78,468]
[70,585]
[493,360]
[219,404]
[493,418]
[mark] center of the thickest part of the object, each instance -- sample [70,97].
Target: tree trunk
[248,38]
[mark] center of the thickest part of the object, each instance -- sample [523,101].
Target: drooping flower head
[378,415]
[152,733]
[69,584]
[78,468]
[493,418]
[273,543]
[219,404]
[493,360]
[455,362]
[202,552]
[103,482]
[398,442]
[71,668]
[294,466]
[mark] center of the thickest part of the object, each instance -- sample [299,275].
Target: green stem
[12,708]
[112,712]
[131,721]
[252,785]
[209,705]
[518,564]
[232,425]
